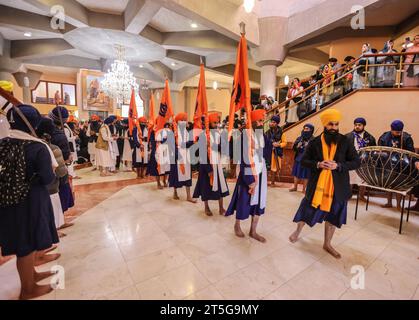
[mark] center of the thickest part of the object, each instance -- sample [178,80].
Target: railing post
[400,73]
[366,84]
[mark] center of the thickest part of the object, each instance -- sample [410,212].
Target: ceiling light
[194,25]
[215,85]
[286,80]
[248,5]
[173,64]
[28,34]
[141,66]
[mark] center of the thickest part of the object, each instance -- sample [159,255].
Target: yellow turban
[6,85]
[330,115]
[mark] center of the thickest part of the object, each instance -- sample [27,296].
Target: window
[48,92]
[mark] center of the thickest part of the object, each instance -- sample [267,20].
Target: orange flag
[151,119]
[241,96]
[165,110]
[132,114]
[201,108]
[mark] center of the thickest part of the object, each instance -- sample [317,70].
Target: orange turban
[94,117]
[71,118]
[181,117]
[214,117]
[330,115]
[142,120]
[257,115]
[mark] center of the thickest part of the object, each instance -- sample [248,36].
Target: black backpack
[14,185]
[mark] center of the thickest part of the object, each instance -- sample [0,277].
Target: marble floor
[88,176]
[138,243]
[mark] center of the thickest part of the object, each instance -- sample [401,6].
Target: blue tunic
[240,201]
[310,215]
[298,170]
[136,144]
[29,226]
[203,188]
[174,175]
[152,165]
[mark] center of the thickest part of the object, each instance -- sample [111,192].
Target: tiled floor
[138,243]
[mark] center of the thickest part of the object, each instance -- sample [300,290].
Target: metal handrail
[352,69]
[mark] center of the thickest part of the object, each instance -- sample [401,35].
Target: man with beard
[249,197]
[274,149]
[330,157]
[360,138]
[399,139]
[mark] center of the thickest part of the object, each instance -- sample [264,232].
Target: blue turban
[30,113]
[46,125]
[397,125]
[360,120]
[54,114]
[310,126]
[109,120]
[276,119]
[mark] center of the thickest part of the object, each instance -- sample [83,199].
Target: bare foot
[332,251]
[192,200]
[222,212]
[363,199]
[94,169]
[238,231]
[61,235]
[46,258]
[294,237]
[160,187]
[176,197]
[387,205]
[43,275]
[66,225]
[37,291]
[293,190]
[208,212]
[165,185]
[257,237]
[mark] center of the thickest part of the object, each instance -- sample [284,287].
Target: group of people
[339,79]
[30,220]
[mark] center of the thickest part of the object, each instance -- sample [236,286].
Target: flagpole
[242,28]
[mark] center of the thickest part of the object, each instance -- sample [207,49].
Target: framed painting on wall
[94,98]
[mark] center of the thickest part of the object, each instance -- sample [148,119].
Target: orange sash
[325,189]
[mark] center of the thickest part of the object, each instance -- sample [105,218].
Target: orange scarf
[325,189]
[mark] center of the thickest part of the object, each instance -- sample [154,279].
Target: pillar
[268,81]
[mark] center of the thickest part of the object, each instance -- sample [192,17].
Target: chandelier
[119,80]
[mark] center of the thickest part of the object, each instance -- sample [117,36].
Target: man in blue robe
[249,197]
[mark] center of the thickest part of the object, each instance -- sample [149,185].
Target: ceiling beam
[138,14]
[406,25]
[228,69]
[185,73]
[185,57]
[310,56]
[162,70]
[38,48]
[67,61]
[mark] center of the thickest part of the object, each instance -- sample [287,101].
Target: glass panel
[39,95]
[54,93]
[69,94]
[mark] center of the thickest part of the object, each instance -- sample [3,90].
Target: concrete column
[271,53]
[268,80]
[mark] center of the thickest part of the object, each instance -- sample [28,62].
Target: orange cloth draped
[241,96]
[151,117]
[132,114]
[325,189]
[165,114]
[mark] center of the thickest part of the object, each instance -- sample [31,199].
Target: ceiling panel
[16,33]
[109,6]
[168,21]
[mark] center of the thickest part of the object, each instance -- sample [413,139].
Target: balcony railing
[369,71]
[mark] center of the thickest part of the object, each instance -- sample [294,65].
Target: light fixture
[248,5]
[119,81]
[141,66]
[173,64]
[215,85]
[28,34]
[194,25]
[286,80]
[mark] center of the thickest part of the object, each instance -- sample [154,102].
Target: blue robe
[136,144]
[299,171]
[30,226]
[174,175]
[241,199]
